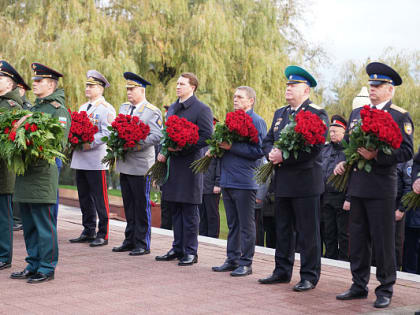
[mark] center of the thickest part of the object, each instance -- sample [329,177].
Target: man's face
[93,91]
[183,87]
[41,87]
[242,101]
[135,94]
[295,92]
[5,85]
[380,93]
[336,134]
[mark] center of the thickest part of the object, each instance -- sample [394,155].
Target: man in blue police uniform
[9,100]
[90,171]
[183,190]
[297,200]
[135,186]
[373,195]
[239,189]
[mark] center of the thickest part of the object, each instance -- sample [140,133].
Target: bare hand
[398,215]
[216,190]
[340,168]
[367,154]
[275,156]
[208,153]
[346,205]
[161,158]
[416,186]
[174,150]
[225,146]
[259,201]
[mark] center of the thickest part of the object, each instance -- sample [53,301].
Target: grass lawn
[156,198]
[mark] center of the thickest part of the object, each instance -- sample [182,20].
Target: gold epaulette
[152,107]
[315,106]
[106,104]
[398,109]
[55,104]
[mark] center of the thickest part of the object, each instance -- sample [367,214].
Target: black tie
[374,107]
[89,106]
[132,110]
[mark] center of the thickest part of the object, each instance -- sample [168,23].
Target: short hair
[55,83]
[250,92]
[192,79]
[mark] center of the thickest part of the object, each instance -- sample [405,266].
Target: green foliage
[227,43]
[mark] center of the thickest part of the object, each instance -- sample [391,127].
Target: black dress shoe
[188,260]
[303,285]
[274,278]
[123,248]
[83,238]
[351,295]
[99,241]
[171,255]
[225,267]
[241,271]
[17,227]
[139,252]
[25,274]
[41,277]
[382,302]
[5,265]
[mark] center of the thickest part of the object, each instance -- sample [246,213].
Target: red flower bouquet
[238,127]
[301,134]
[81,131]
[376,130]
[178,133]
[26,138]
[126,132]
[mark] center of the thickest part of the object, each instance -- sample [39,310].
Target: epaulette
[12,103]
[315,106]
[106,104]
[55,104]
[152,107]
[126,103]
[398,109]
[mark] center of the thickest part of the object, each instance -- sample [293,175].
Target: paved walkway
[98,281]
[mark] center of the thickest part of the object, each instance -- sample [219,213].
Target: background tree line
[227,43]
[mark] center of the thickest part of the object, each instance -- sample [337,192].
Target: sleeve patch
[408,128]
[63,121]
[159,122]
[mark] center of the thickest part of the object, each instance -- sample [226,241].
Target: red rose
[12,136]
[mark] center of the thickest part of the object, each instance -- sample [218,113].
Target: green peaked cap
[295,74]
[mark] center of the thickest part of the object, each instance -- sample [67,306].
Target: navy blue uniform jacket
[301,177]
[381,181]
[182,185]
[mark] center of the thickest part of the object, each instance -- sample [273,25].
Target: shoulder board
[126,104]
[315,106]
[398,109]
[152,107]
[106,104]
[55,104]
[12,103]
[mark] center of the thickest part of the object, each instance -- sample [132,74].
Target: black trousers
[412,250]
[270,231]
[259,227]
[240,206]
[399,242]
[135,192]
[93,198]
[300,215]
[372,220]
[209,215]
[186,220]
[335,227]
[165,215]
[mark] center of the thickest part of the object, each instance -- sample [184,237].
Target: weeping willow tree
[227,43]
[353,77]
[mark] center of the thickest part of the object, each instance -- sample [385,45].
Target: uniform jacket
[301,177]
[381,182]
[412,217]
[182,185]
[211,178]
[9,101]
[238,164]
[404,182]
[39,184]
[101,114]
[139,160]
[26,104]
[332,154]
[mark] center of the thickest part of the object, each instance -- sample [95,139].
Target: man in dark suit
[298,186]
[373,195]
[183,190]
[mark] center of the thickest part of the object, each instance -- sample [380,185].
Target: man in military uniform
[90,171]
[183,191]
[373,195]
[135,188]
[23,88]
[297,200]
[36,190]
[9,100]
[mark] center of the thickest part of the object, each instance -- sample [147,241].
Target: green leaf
[368,167]
[361,164]
[285,154]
